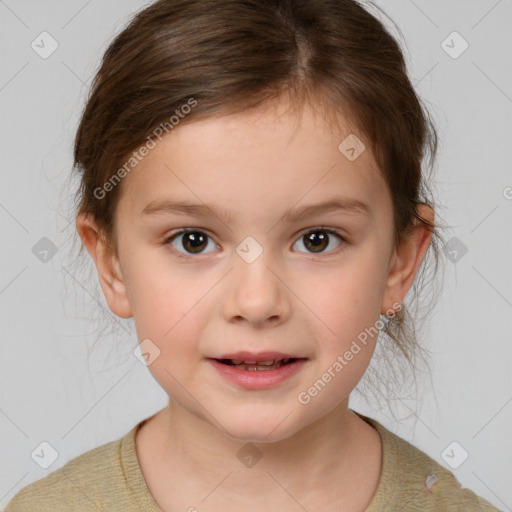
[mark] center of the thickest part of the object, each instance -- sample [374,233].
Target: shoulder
[413,481]
[87,482]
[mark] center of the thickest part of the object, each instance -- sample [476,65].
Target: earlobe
[407,259]
[107,265]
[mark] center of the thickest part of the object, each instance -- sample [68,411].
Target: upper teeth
[265,363]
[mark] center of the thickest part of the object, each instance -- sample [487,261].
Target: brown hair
[233,55]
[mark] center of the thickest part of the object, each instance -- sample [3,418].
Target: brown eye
[192,241]
[317,240]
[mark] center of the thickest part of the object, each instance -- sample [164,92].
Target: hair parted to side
[230,56]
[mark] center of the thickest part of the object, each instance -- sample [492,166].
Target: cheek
[159,297]
[346,301]
[172,309]
[170,321]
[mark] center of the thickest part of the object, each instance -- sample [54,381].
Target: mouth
[258,371]
[252,365]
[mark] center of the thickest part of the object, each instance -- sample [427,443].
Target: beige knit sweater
[108,478]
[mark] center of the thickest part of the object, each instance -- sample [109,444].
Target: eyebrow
[348,205]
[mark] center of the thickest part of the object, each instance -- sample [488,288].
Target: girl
[252,195]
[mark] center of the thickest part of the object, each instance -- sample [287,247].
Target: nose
[257,292]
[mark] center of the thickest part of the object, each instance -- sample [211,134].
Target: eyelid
[329,229]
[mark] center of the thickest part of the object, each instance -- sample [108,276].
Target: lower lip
[258,379]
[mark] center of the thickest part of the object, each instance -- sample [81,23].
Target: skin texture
[290,299]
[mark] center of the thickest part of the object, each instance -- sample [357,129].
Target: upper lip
[258,357]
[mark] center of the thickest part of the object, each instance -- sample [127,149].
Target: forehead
[268,158]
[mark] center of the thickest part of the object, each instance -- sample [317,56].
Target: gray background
[51,390]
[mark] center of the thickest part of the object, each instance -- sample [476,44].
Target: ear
[107,265]
[406,261]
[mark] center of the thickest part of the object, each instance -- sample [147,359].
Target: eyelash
[327,230]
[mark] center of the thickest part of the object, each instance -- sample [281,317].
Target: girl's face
[256,275]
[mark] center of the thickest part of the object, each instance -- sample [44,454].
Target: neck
[334,451]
